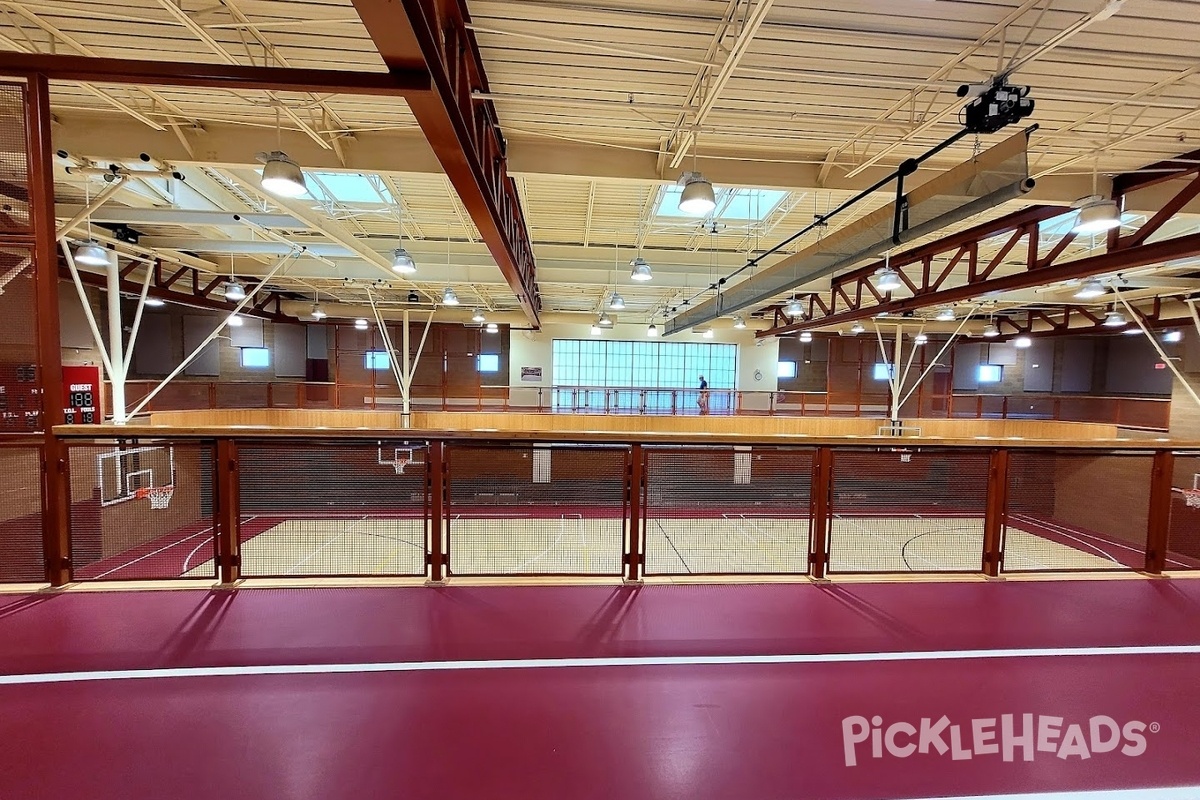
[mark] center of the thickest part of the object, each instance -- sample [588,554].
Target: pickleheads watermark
[1010,736]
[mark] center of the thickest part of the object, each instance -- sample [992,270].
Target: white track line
[559,663]
[152,553]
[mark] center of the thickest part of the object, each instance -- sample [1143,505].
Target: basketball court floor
[382,545]
[1080,689]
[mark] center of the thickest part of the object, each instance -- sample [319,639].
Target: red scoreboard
[81,391]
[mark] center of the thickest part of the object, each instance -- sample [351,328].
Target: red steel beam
[1131,258]
[396,82]
[162,290]
[464,133]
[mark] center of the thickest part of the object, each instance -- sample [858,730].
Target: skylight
[733,205]
[348,187]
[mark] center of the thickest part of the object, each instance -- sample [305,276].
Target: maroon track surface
[699,732]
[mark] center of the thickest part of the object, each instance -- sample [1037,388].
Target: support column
[227,507]
[116,336]
[996,507]
[56,482]
[1159,524]
[437,510]
[822,513]
[635,557]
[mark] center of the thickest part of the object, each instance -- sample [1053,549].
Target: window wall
[627,368]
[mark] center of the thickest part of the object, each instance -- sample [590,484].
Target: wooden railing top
[247,432]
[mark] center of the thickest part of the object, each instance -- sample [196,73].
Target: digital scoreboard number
[81,390]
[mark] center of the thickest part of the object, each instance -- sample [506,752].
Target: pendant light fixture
[640,270]
[806,336]
[318,313]
[739,323]
[857,328]
[360,324]
[236,321]
[90,253]
[697,197]
[1089,289]
[616,302]
[945,315]
[887,279]
[402,262]
[155,302]
[605,320]
[478,316]
[493,328]
[449,298]
[281,175]
[1114,319]
[1097,214]
[794,309]
[652,331]
[1023,342]
[990,330]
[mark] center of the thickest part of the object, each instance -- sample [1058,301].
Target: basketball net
[159,496]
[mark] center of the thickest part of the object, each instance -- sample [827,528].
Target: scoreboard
[81,391]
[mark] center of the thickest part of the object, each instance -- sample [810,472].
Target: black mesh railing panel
[1183,541]
[1076,510]
[333,508]
[536,510]
[907,510]
[20,378]
[727,510]
[14,161]
[142,511]
[21,516]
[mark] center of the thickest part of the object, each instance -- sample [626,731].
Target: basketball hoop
[400,464]
[160,496]
[1192,498]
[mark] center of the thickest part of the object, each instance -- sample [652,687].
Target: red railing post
[437,509]
[635,492]
[995,509]
[1158,527]
[55,478]
[227,510]
[821,514]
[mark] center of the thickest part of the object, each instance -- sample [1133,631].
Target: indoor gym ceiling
[787,108]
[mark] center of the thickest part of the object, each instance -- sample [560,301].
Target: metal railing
[1130,412]
[148,503]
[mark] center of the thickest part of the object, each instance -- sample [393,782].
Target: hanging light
[1173,337]
[806,336]
[708,334]
[596,331]
[360,324]
[1132,331]
[478,316]
[236,321]
[794,309]
[990,330]
[155,302]
[318,313]
[857,328]
[887,280]
[1096,215]
[234,291]
[492,328]
[1114,319]
[945,315]
[449,298]
[1090,288]
[616,302]
[652,330]
[402,262]
[640,270]
[91,254]
[698,197]
[282,176]
[739,323]
[1022,342]
[605,320]
[920,338]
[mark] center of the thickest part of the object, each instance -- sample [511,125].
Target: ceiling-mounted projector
[994,106]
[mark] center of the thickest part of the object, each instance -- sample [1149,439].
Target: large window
[599,364]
